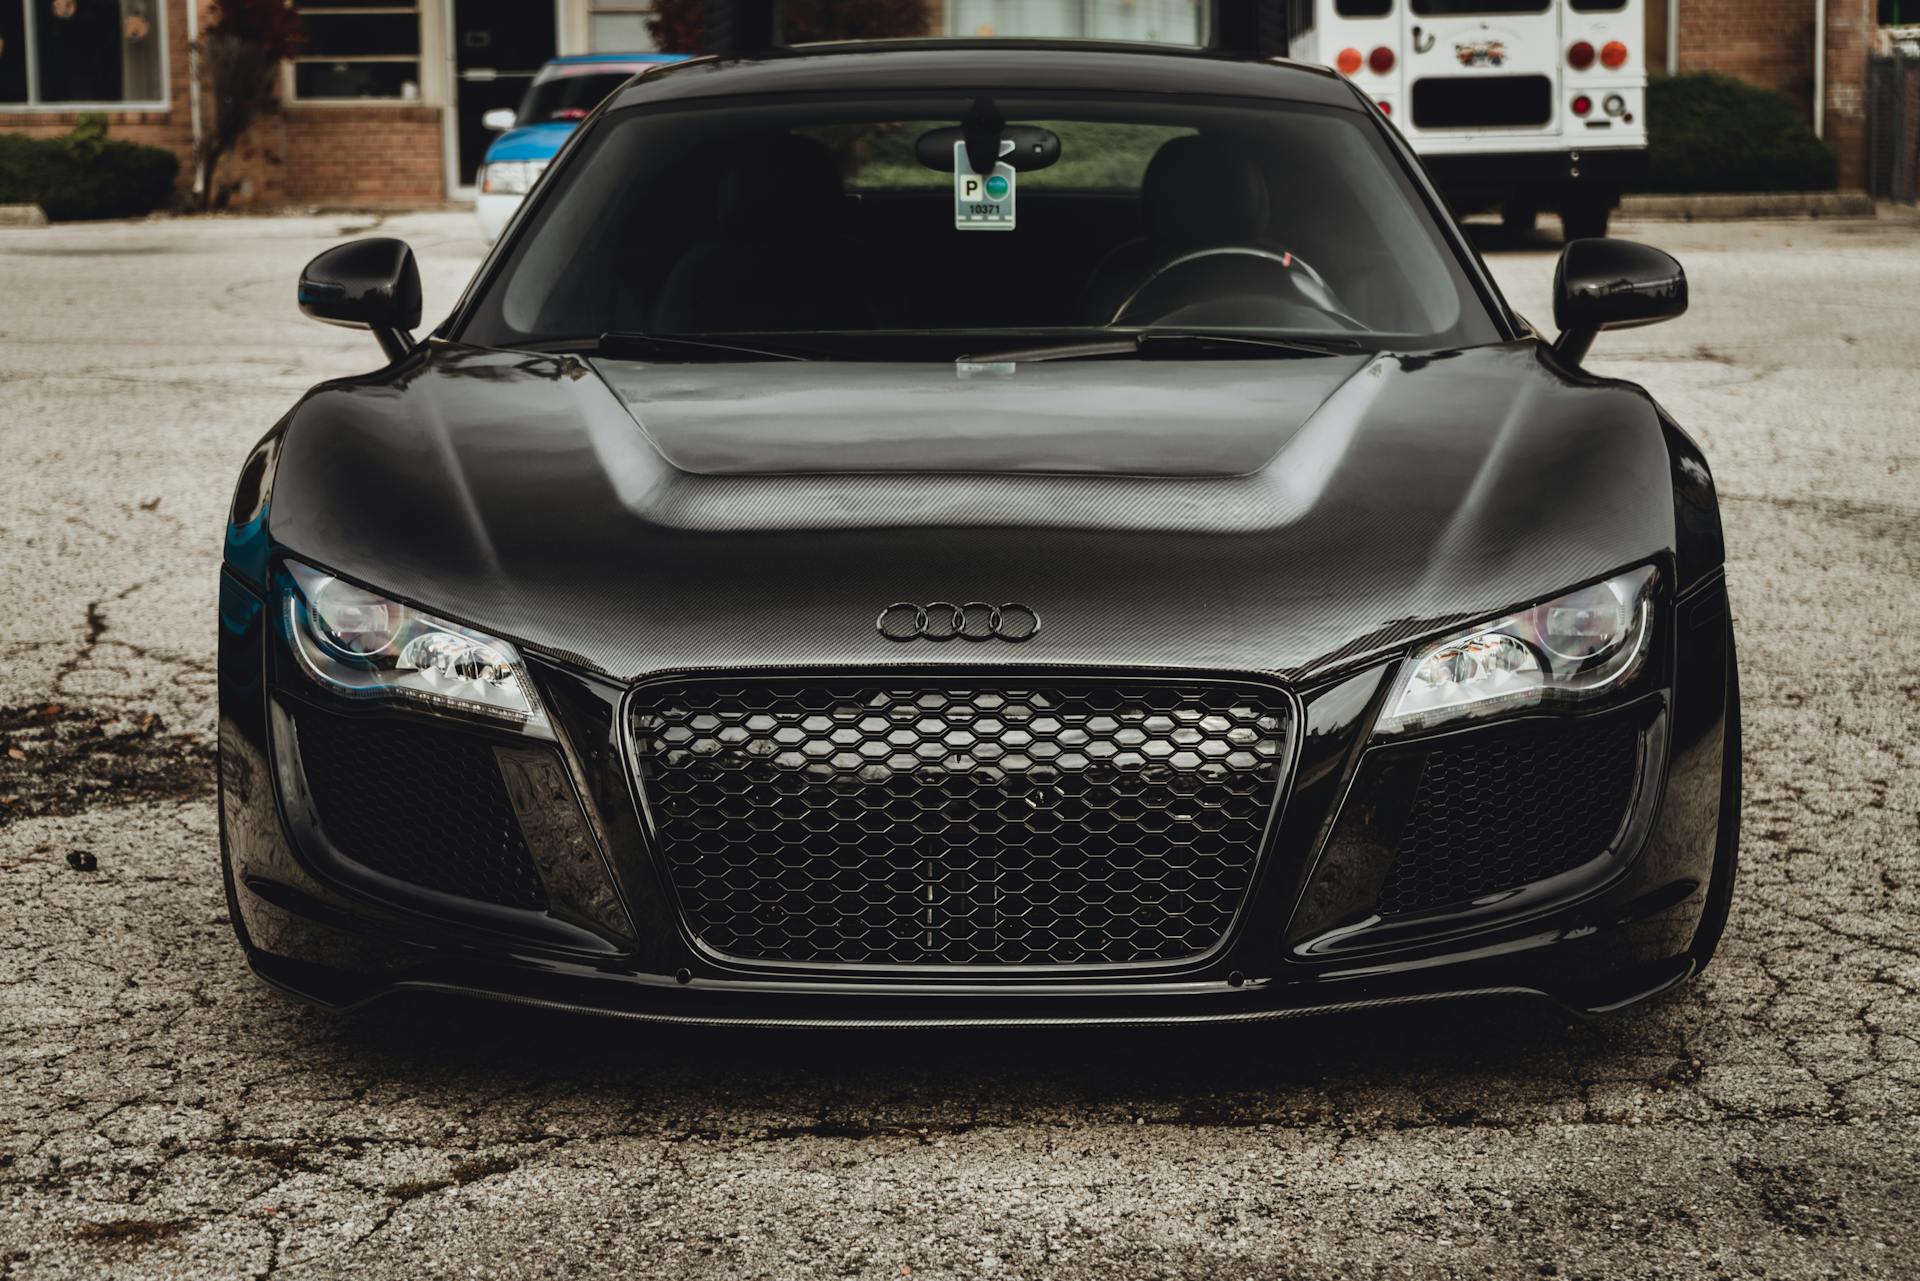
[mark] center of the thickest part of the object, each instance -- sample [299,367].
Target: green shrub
[1709,132]
[85,174]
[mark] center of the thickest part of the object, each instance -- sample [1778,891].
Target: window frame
[31,30]
[289,72]
[639,8]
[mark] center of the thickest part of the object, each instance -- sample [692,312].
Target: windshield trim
[958,345]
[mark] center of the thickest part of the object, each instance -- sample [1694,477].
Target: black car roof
[989,66]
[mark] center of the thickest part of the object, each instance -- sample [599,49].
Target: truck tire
[1584,214]
[1519,213]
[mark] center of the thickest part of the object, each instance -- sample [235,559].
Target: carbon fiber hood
[1107,418]
[1278,516]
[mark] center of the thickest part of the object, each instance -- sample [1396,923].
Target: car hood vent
[1122,417]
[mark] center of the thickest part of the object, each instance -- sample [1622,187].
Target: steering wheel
[1309,283]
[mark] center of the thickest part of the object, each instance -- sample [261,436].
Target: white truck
[1520,105]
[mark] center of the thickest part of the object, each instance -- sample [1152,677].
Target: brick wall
[1850,27]
[1770,43]
[1911,133]
[1765,42]
[1901,178]
[365,155]
[375,155]
[384,156]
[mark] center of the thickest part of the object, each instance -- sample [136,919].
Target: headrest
[1197,191]
[783,181]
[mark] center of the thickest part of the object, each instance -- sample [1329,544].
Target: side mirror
[1612,284]
[366,284]
[497,120]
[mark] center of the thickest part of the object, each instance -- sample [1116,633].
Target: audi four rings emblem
[942,620]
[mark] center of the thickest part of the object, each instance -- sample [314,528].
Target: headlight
[1577,646]
[360,644]
[511,177]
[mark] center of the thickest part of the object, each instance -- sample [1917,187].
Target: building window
[620,26]
[75,53]
[358,49]
[1157,21]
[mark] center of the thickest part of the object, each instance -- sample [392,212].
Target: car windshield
[956,225]
[568,96]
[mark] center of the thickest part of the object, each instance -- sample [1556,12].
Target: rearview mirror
[1612,284]
[1033,147]
[498,120]
[366,284]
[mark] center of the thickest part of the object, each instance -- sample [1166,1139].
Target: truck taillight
[1612,53]
[1381,60]
[1580,56]
[1348,61]
[1582,105]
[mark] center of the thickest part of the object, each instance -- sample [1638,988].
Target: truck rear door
[1481,72]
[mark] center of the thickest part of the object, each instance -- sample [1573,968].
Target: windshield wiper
[1183,342]
[1160,344]
[639,346]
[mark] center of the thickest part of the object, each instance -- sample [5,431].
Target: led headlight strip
[360,644]
[1579,646]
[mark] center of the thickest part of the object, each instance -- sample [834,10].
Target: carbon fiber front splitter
[704,1004]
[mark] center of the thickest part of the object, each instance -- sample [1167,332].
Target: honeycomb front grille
[885,823]
[420,803]
[1510,809]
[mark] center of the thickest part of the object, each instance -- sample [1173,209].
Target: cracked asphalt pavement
[162,1114]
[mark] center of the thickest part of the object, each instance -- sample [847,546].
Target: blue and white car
[561,96]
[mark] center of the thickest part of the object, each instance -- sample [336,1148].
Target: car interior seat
[779,260]
[1197,193]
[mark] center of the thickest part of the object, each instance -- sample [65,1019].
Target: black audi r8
[946,532]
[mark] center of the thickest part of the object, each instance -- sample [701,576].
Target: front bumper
[1567,166]
[638,999]
[1552,179]
[608,938]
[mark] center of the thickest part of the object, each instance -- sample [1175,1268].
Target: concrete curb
[22,216]
[1741,205]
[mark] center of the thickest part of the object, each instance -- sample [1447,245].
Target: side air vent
[423,804]
[1510,809]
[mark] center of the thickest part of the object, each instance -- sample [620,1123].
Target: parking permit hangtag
[982,202]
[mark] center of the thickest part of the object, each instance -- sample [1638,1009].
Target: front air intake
[891,822]
[419,803]
[1503,809]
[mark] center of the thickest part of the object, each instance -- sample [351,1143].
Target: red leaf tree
[678,26]
[242,49]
